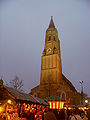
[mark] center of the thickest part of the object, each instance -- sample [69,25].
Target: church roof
[68,82]
[51,25]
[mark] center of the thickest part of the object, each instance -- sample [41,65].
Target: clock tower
[53,84]
[51,67]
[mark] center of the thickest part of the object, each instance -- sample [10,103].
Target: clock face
[49,50]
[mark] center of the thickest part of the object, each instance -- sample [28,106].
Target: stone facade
[52,81]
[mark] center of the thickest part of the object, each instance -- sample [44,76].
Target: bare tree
[16,83]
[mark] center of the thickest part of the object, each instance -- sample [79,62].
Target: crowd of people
[39,112]
[72,114]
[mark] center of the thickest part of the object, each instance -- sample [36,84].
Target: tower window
[49,38]
[54,38]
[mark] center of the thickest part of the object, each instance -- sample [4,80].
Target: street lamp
[81,83]
[86,102]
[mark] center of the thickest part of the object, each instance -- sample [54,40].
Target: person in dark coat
[49,115]
[61,115]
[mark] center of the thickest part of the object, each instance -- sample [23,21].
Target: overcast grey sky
[23,24]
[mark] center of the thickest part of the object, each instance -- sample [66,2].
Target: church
[53,83]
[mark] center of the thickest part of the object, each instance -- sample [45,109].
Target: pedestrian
[61,115]
[49,115]
[84,116]
[75,114]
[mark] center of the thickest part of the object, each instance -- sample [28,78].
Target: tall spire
[51,25]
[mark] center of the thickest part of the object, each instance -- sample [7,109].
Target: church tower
[53,84]
[51,67]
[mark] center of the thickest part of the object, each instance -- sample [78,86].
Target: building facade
[52,81]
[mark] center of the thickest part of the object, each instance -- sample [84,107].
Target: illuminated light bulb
[9,101]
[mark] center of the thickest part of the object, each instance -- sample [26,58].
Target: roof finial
[51,25]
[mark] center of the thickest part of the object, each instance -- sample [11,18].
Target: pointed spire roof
[51,25]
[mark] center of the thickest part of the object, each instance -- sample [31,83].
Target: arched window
[49,38]
[54,38]
[63,96]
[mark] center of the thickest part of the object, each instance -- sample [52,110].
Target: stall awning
[56,104]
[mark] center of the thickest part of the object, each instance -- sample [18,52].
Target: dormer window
[49,38]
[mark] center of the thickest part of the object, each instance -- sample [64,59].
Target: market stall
[15,105]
